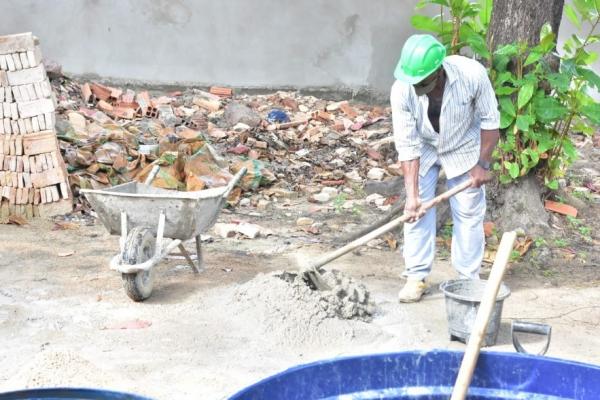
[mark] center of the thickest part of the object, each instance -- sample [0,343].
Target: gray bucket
[462,302]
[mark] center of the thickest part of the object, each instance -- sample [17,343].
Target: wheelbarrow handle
[236,178]
[530,327]
[152,175]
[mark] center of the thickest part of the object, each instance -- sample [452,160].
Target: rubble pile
[288,142]
[33,179]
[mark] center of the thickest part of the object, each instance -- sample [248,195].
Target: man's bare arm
[410,170]
[489,140]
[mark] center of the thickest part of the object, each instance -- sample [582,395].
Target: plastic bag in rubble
[189,147]
[203,171]
[150,128]
[118,134]
[257,175]
[277,115]
[79,157]
[168,143]
[65,130]
[109,152]
[170,174]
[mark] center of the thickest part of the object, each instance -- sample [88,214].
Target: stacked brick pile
[33,177]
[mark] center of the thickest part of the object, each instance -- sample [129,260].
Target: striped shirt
[469,105]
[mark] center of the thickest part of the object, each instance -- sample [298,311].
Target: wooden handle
[387,227]
[465,374]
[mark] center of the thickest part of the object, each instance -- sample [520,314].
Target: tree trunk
[521,20]
[520,205]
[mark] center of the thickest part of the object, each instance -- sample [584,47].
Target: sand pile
[283,306]
[65,368]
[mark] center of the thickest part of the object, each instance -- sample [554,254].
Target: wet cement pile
[284,307]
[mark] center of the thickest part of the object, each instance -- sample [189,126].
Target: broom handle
[465,374]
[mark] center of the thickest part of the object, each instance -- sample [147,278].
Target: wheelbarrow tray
[187,214]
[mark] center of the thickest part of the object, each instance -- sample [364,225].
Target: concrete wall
[244,43]
[250,43]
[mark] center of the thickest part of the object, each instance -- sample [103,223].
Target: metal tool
[530,327]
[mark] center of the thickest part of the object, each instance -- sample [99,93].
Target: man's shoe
[412,291]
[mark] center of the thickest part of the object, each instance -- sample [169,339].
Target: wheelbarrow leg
[188,258]
[199,252]
[123,238]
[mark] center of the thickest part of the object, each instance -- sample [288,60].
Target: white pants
[468,240]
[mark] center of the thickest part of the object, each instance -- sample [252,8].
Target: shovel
[311,272]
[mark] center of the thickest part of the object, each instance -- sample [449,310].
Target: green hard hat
[421,55]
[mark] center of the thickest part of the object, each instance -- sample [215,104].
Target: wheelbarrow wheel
[139,247]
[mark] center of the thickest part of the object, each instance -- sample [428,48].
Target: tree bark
[521,20]
[520,206]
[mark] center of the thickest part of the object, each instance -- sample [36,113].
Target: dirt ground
[66,321]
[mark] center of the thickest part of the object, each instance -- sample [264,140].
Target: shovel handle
[387,227]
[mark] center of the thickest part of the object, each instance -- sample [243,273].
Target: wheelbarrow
[144,216]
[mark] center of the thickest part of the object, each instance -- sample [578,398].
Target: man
[445,115]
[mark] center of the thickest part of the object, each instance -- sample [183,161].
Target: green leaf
[423,3]
[548,43]
[503,77]
[533,155]
[524,159]
[504,179]
[513,169]
[545,31]
[586,58]
[560,81]
[500,63]
[525,94]
[587,8]
[424,23]
[593,38]
[552,184]
[470,11]
[479,47]
[590,76]
[549,109]
[485,11]
[569,149]
[592,112]
[505,120]
[570,13]
[475,40]
[505,90]
[582,127]
[532,57]
[523,122]
[507,50]
[577,41]
[545,142]
[507,106]
[568,66]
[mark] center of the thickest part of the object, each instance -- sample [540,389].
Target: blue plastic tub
[68,393]
[430,375]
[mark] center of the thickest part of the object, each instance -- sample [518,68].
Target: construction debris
[33,177]
[290,143]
